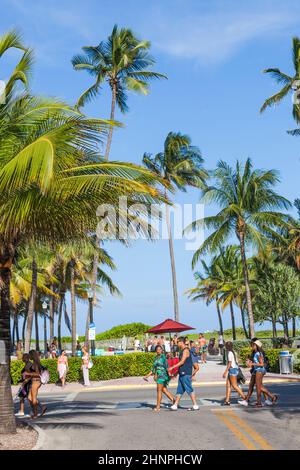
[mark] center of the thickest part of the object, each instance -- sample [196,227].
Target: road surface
[118,420]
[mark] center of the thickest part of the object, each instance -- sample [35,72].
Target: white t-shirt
[167,346]
[232,360]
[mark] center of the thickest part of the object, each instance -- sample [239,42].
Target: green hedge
[105,367]
[272,354]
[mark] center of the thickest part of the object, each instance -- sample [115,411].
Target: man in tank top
[185,372]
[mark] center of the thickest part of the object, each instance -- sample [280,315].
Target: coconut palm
[291,83]
[179,165]
[122,61]
[249,209]
[21,73]
[207,288]
[50,189]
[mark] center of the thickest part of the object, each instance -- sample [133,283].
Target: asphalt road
[118,420]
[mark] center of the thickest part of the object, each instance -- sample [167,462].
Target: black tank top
[187,367]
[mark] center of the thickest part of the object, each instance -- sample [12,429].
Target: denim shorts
[184,385]
[233,371]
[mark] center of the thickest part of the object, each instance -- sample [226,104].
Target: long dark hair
[229,347]
[35,357]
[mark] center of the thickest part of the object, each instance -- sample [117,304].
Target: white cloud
[214,35]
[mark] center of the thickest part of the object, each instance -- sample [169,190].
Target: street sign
[92,331]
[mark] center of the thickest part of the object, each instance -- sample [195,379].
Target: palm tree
[290,83]
[248,209]
[207,287]
[179,165]
[50,189]
[122,61]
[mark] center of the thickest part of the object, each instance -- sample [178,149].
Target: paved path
[123,419]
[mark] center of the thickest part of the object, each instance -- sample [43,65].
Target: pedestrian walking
[25,386]
[161,376]
[252,383]
[53,349]
[62,367]
[137,344]
[194,349]
[85,366]
[231,374]
[257,364]
[203,347]
[185,372]
[35,375]
[221,343]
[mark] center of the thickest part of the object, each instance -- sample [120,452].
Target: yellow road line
[236,431]
[252,433]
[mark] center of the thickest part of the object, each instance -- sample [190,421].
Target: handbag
[240,377]
[90,364]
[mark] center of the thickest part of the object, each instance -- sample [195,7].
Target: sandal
[44,409]
[258,405]
[225,403]
[156,409]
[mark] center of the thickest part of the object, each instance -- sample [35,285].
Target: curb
[173,385]
[41,436]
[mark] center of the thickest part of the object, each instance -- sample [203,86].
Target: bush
[129,329]
[272,354]
[105,367]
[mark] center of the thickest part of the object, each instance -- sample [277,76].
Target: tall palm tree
[291,83]
[249,209]
[122,61]
[179,165]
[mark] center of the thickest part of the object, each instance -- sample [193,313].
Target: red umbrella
[170,326]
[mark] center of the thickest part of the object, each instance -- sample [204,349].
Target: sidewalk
[209,374]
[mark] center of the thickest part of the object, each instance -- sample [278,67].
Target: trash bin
[285,362]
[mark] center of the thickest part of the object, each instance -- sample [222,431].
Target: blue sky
[213,53]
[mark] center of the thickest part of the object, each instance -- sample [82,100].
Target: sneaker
[243,402]
[19,414]
[174,407]
[268,402]
[195,407]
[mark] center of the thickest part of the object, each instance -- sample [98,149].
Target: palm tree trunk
[31,306]
[13,334]
[112,117]
[232,321]
[219,318]
[7,417]
[17,326]
[73,308]
[23,328]
[172,258]
[51,314]
[59,320]
[294,326]
[247,286]
[37,337]
[244,323]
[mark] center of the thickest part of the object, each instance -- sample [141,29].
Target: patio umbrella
[169,326]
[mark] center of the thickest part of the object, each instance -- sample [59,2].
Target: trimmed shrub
[105,367]
[273,356]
